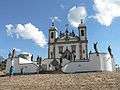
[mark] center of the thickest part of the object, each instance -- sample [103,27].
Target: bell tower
[51,42]
[52,33]
[83,40]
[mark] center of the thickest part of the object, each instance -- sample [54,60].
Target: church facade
[68,45]
[67,52]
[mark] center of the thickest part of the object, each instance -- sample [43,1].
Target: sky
[24,24]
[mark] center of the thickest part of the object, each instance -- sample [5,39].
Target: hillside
[81,81]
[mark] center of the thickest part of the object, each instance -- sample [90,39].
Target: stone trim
[69,42]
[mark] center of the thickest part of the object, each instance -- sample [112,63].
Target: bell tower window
[84,51]
[51,54]
[52,34]
[82,32]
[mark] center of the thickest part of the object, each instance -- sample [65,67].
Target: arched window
[60,49]
[73,48]
[51,54]
[82,32]
[52,34]
[84,51]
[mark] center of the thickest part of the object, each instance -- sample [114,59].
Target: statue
[67,54]
[37,58]
[60,34]
[110,51]
[73,34]
[32,57]
[90,52]
[9,55]
[40,59]
[13,53]
[95,48]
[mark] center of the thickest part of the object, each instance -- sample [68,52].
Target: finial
[81,21]
[53,22]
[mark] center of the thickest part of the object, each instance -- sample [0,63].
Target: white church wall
[77,51]
[103,62]
[106,62]
[82,37]
[65,61]
[51,50]
[29,67]
[84,48]
[8,65]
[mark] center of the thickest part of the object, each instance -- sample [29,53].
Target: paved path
[81,81]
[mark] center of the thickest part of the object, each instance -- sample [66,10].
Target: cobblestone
[81,81]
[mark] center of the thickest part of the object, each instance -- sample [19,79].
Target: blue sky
[39,12]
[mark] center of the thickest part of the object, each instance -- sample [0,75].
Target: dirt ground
[79,81]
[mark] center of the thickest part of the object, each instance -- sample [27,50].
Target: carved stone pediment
[67,38]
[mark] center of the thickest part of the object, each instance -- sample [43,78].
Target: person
[39,62]
[74,57]
[95,48]
[60,62]
[110,51]
[11,71]
[21,70]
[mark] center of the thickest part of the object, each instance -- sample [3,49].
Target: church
[67,52]
[68,45]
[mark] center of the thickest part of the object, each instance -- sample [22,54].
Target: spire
[53,22]
[81,24]
[81,21]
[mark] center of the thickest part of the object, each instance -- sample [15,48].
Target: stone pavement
[79,81]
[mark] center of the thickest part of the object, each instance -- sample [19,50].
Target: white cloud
[106,11]
[27,31]
[76,14]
